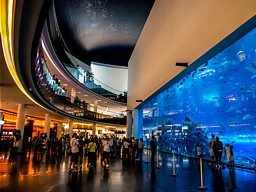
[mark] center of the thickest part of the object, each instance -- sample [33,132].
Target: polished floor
[52,175]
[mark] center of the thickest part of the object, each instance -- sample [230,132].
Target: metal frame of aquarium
[215,71]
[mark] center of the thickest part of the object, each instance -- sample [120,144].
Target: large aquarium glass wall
[219,97]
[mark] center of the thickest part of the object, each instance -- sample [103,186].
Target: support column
[73,95]
[47,124]
[94,129]
[138,123]
[70,129]
[129,124]
[59,130]
[95,105]
[1,123]
[21,123]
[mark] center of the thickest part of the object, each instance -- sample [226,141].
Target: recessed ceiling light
[86,95]
[105,102]
[78,92]
[65,84]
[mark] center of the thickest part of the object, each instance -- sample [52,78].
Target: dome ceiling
[103,31]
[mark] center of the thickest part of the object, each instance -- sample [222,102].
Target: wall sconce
[181,64]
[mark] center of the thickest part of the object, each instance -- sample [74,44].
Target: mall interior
[172,72]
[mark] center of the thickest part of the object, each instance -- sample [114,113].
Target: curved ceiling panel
[103,31]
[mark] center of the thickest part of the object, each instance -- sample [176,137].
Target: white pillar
[59,130]
[1,119]
[138,123]
[47,124]
[94,129]
[95,105]
[129,124]
[21,123]
[73,95]
[70,130]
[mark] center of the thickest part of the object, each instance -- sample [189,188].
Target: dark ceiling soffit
[226,42]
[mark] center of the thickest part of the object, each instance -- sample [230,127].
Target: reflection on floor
[52,174]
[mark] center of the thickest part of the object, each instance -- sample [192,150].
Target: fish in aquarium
[251,67]
[220,94]
[241,55]
[246,117]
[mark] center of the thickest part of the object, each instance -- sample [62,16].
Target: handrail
[193,157]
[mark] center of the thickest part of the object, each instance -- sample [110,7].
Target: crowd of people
[109,147]
[216,153]
[80,147]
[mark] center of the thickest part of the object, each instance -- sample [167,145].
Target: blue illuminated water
[218,97]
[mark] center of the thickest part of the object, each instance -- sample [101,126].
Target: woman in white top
[74,150]
[106,151]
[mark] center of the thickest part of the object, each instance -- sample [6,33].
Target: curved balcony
[58,97]
[82,74]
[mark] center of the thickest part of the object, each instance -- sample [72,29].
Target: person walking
[92,147]
[106,151]
[75,152]
[153,149]
[140,150]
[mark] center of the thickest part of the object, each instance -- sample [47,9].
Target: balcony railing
[62,100]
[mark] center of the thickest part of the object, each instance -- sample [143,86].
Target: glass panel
[217,98]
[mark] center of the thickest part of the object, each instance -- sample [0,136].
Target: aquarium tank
[218,97]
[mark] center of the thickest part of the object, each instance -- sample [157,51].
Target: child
[227,153]
[199,152]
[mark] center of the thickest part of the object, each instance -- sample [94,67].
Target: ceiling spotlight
[181,64]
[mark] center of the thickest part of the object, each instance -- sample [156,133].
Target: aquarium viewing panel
[219,97]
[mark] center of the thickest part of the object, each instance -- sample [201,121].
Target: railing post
[157,158]
[173,166]
[201,187]
[146,158]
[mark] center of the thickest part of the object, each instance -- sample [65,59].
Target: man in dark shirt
[218,150]
[153,149]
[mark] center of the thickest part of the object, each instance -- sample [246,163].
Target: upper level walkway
[52,174]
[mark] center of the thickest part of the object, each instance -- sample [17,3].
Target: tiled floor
[52,175]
